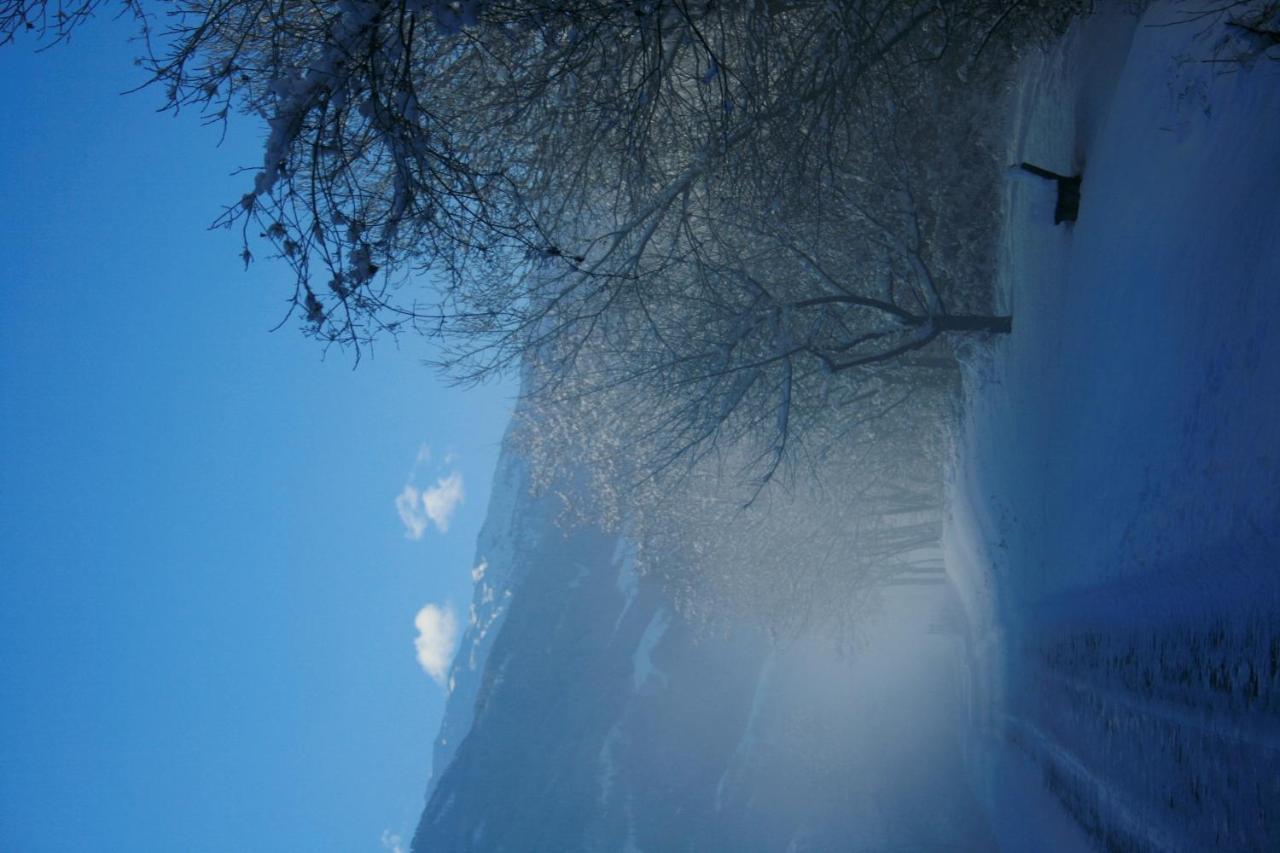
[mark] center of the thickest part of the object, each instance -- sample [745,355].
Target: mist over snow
[596,717]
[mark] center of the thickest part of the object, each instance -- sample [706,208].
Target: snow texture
[1115,516]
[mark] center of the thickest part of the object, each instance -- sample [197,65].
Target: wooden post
[1068,206]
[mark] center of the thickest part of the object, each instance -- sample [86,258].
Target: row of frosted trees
[729,245]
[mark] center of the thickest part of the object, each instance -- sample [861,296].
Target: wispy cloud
[411,515]
[437,640]
[435,505]
[441,500]
[391,841]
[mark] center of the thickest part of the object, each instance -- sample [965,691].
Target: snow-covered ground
[1114,522]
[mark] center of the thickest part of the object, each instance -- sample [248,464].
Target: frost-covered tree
[741,213]
[54,20]
[723,242]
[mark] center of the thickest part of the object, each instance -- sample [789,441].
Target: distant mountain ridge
[586,714]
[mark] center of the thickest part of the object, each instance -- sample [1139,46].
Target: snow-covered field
[1114,521]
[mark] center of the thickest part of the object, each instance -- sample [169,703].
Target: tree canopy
[732,225]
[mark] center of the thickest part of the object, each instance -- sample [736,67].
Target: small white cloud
[435,505]
[436,641]
[477,574]
[414,519]
[441,500]
[391,841]
[419,508]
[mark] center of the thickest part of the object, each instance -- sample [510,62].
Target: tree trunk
[994,324]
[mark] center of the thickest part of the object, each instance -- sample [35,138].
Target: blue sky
[208,601]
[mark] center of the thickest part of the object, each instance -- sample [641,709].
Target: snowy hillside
[587,715]
[1115,517]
